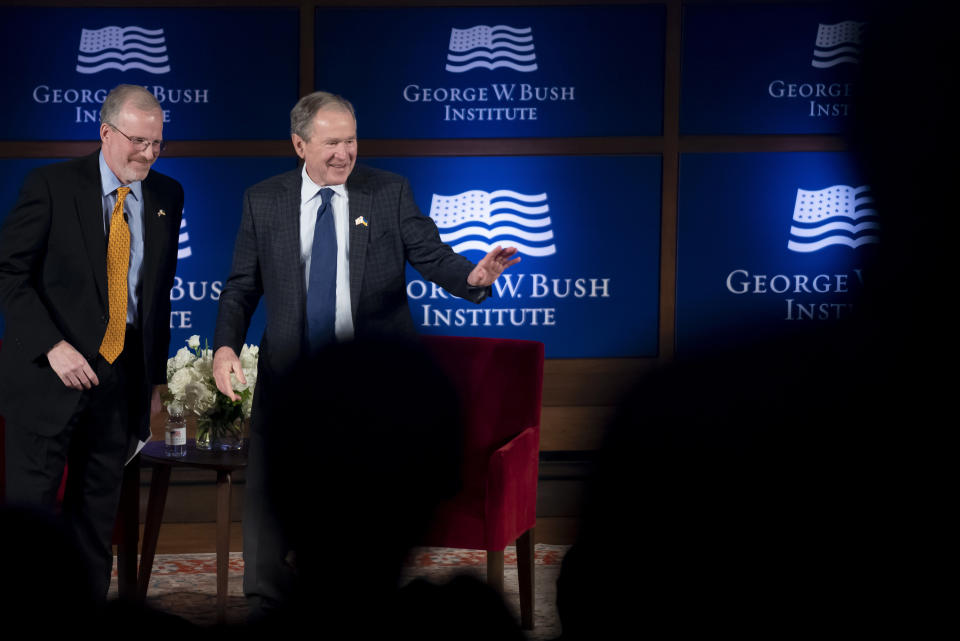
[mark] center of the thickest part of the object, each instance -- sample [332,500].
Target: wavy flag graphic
[491,48]
[183,250]
[122,48]
[482,220]
[821,218]
[837,43]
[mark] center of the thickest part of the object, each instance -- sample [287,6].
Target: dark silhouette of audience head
[904,135]
[46,585]
[364,440]
[794,483]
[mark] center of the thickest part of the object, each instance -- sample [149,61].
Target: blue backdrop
[218,73]
[755,69]
[588,282]
[570,71]
[753,260]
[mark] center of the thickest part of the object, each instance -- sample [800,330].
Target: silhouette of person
[371,443]
[794,483]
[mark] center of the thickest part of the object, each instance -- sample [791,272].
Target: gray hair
[302,114]
[120,95]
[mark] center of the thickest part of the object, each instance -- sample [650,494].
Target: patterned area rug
[185,584]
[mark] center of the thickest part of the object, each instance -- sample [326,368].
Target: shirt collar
[109,182]
[310,189]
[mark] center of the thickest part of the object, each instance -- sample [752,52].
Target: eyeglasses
[141,144]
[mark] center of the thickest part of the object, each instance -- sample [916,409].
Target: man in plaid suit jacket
[378,228]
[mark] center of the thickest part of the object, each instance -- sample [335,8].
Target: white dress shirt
[309,203]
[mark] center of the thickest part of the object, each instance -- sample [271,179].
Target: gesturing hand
[72,368]
[491,266]
[225,362]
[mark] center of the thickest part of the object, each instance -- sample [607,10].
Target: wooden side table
[224,463]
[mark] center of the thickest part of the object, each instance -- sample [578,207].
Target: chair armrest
[511,492]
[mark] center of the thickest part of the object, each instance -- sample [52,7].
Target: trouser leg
[96,457]
[34,465]
[93,445]
[267,577]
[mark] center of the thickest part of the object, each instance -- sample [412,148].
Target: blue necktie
[322,286]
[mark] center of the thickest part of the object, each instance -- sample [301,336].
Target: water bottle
[176,432]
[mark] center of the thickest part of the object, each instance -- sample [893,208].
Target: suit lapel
[89,202]
[155,233]
[288,241]
[361,208]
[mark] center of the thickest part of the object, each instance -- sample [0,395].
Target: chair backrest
[500,382]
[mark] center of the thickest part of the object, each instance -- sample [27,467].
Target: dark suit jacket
[266,262]
[53,286]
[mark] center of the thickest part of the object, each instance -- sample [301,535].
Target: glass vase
[213,436]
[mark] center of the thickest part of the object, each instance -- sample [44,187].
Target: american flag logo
[837,215]
[482,220]
[837,43]
[122,48]
[491,48]
[183,249]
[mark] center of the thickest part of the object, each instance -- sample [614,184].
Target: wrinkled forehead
[333,121]
[133,117]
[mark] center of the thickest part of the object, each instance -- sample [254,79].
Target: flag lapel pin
[161,213]
[360,220]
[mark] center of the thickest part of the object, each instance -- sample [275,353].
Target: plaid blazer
[266,262]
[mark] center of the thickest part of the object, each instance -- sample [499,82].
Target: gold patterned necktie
[118,263]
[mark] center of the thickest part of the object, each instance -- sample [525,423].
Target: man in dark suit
[326,245]
[87,259]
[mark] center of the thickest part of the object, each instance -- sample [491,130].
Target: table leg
[159,484]
[224,483]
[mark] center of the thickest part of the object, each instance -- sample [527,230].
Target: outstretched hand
[491,266]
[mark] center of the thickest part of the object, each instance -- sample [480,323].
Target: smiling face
[331,152]
[124,160]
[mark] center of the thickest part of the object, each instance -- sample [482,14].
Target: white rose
[193,342]
[183,358]
[199,397]
[248,357]
[238,386]
[180,379]
[204,364]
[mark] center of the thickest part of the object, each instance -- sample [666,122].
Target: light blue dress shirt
[133,206]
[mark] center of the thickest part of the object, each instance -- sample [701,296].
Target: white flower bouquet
[190,386]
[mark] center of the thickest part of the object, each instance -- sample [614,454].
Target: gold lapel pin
[161,213]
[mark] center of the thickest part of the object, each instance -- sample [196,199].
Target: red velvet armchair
[500,382]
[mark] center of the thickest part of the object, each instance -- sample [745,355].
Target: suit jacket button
[103,319]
